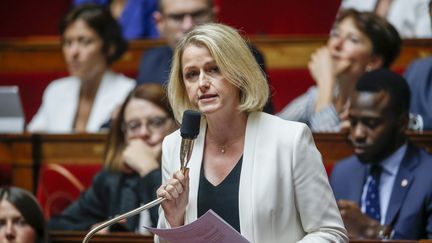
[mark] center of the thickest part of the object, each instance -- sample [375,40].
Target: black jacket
[110,194]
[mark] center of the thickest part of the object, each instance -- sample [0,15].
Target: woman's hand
[345,123]
[141,157]
[325,70]
[176,193]
[321,67]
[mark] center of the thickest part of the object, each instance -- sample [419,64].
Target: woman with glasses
[359,42]
[132,166]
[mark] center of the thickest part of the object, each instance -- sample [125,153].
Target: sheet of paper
[209,228]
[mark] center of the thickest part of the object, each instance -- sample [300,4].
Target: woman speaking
[261,174]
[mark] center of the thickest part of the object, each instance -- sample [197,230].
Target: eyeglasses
[152,124]
[199,17]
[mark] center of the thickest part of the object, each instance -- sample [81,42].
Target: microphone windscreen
[190,124]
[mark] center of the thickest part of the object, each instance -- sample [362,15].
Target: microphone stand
[121,217]
[185,154]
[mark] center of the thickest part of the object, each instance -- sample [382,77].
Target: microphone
[189,131]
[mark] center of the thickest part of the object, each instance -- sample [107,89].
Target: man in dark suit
[174,19]
[385,189]
[419,78]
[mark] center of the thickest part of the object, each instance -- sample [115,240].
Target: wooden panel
[336,146]
[287,53]
[333,146]
[413,49]
[382,241]
[25,152]
[35,55]
[77,237]
[71,148]
[294,52]
[280,52]
[16,149]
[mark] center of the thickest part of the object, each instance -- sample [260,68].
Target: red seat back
[287,85]
[5,174]
[59,185]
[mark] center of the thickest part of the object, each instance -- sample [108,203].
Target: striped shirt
[302,109]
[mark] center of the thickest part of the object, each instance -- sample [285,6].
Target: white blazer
[284,193]
[60,102]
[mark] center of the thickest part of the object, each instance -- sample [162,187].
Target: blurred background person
[83,102]
[359,42]
[132,166]
[134,16]
[410,18]
[21,217]
[384,190]
[419,78]
[261,174]
[175,18]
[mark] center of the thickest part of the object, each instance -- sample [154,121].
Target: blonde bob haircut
[235,61]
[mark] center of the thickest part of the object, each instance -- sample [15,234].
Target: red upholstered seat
[5,174]
[59,185]
[328,168]
[287,85]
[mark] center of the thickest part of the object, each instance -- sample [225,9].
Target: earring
[368,68]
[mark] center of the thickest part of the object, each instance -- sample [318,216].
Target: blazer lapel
[357,182]
[100,107]
[67,107]
[194,166]
[357,177]
[402,183]
[246,206]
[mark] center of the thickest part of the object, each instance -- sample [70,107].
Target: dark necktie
[372,194]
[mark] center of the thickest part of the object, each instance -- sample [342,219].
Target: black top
[223,198]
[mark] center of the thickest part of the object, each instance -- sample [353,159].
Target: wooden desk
[335,146]
[26,152]
[280,52]
[382,241]
[77,237]
[31,63]
[69,148]
[16,150]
